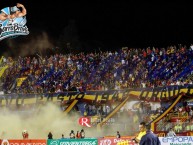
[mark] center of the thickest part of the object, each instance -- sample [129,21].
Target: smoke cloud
[30,46]
[48,118]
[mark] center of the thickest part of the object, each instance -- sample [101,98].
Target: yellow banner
[1,59]
[20,81]
[2,70]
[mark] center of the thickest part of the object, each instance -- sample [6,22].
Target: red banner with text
[114,140]
[24,142]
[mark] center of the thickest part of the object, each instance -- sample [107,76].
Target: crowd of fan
[180,118]
[126,68]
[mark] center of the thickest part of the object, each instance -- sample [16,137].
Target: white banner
[178,140]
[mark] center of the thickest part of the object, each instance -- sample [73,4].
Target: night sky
[108,25]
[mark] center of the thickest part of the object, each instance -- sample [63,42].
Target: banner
[23,142]
[20,81]
[150,94]
[114,141]
[85,141]
[178,140]
[1,59]
[2,70]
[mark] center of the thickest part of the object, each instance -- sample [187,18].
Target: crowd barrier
[178,140]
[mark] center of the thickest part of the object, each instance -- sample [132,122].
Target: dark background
[93,25]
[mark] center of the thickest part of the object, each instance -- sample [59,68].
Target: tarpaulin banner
[85,141]
[20,81]
[114,141]
[23,142]
[177,140]
[96,96]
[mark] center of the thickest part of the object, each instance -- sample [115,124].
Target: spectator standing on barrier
[82,133]
[118,134]
[25,134]
[50,136]
[142,132]
[62,136]
[78,134]
[171,133]
[72,134]
[149,138]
